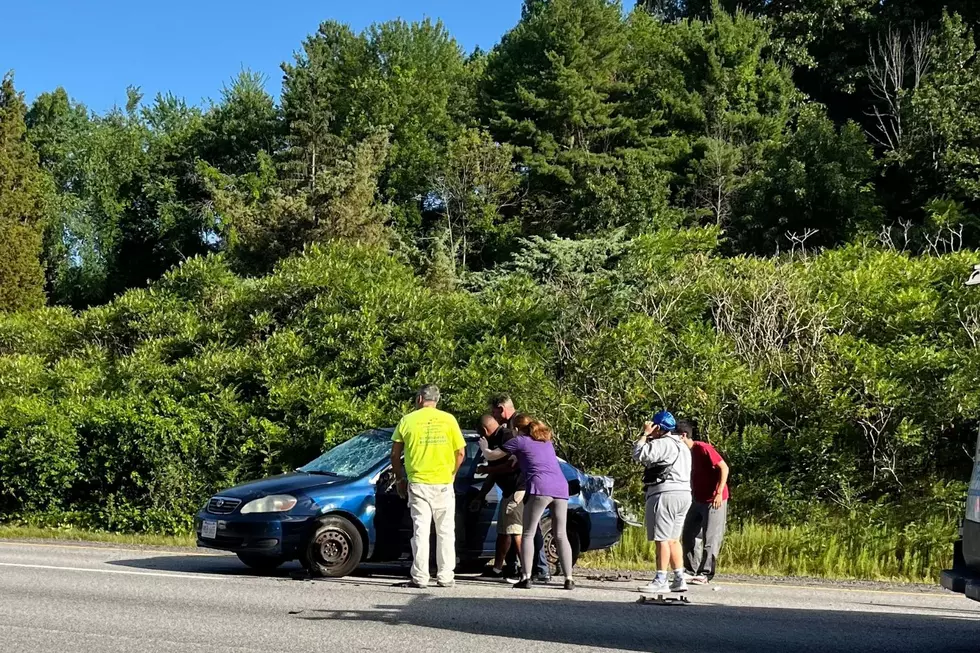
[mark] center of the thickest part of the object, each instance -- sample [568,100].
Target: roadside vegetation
[758,223]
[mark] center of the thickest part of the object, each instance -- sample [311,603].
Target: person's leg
[509,527]
[676,506]
[541,567]
[714,537]
[655,533]
[503,540]
[692,540]
[676,556]
[444,516]
[559,530]
[418,506]
[533,510]
[663,556]
[513,560]
[502,549]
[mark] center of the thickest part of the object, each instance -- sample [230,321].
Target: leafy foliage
[757,213]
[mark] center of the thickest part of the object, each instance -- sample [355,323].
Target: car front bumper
[274,535]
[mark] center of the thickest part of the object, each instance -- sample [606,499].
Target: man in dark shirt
[504,474]
[704,528]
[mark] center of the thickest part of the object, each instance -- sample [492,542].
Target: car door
[475,520]
[392,520]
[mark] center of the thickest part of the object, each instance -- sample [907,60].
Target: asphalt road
[81,599]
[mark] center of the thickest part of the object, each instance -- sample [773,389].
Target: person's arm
[491,454]
[501,470]
[650,452]
[460,442]
[460,455]
[488,484]
[722,468]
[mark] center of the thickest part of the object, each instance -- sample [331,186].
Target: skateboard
[663,598]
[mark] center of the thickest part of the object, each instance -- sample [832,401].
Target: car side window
[472,458]
[387,482]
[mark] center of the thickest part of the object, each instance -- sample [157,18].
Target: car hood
[283,484]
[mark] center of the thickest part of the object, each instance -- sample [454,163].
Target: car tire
[260,562]
[334,549]
[551,546]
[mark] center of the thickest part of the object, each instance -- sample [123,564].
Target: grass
[830,548]
[13,532]
[838,549]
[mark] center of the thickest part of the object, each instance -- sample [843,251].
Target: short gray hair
[429,392]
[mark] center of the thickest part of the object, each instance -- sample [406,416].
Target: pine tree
[24,193]
[551,90]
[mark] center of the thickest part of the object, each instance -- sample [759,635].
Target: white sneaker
[678,584]
[698,580]
[655,586]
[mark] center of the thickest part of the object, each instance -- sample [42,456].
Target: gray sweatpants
[704,533]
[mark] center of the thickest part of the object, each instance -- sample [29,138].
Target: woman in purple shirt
[546,486]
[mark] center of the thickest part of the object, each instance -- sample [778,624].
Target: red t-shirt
[704,475]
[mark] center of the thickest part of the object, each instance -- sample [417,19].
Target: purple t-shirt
[540,465]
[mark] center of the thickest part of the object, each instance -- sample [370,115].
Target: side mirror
[974,279]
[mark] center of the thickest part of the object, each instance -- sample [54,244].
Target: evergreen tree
[244,123]
[554,90]
[24,195]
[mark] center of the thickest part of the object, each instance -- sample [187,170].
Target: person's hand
[484,445]
[401,487]
[482,469]
[648,429]
[717,501]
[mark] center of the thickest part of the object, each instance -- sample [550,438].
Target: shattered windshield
[353,458]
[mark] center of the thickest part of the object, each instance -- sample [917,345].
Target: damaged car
[342,510]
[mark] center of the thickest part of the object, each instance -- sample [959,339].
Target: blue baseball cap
[665,421]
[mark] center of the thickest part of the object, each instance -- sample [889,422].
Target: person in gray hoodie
[667,485]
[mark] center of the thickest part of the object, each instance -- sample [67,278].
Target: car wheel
[551,545]
[334,550]
[260,562]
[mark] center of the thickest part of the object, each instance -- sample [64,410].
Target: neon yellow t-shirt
[432,438]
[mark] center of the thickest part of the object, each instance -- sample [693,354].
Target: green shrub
[843,381]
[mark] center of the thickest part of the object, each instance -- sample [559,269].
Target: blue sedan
[342,509]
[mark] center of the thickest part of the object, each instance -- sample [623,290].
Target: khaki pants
[428,504]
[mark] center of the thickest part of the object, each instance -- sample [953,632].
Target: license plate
[209,530]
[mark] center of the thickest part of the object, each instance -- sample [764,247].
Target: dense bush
[846,378]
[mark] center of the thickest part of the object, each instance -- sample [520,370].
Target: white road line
[117,571]
[143,639]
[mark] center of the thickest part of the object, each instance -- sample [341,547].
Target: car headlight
[271,503]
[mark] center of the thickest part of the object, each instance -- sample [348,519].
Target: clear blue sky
[96,48]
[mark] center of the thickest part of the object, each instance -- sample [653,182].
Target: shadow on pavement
[699,627]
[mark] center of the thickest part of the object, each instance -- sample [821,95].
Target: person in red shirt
[704,528]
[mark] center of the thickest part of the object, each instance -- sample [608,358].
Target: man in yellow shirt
[433,446]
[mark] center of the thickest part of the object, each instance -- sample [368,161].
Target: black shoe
[412,585]
[541,578]
[569,584]
[490,572]
[525,584]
